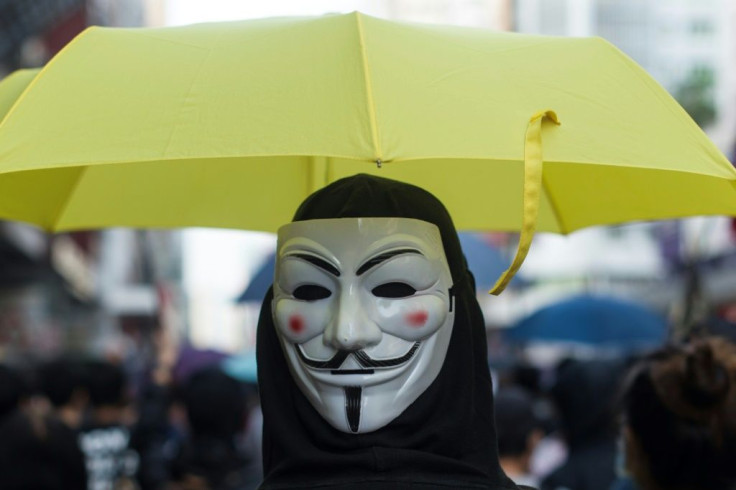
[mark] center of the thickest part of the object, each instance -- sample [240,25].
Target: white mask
[363,310]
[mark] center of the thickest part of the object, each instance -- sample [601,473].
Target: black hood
[445,439]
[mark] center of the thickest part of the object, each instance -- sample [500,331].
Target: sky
[182,12]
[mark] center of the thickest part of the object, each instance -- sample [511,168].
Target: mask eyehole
[311,292]
[393,290]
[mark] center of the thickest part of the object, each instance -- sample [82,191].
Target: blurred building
[116,13]
[493,14]
[33,296]
[686,45]
[94,290]
[31,30]
[490,14]
[84,289]
[669,39]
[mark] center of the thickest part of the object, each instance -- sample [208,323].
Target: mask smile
[361,357]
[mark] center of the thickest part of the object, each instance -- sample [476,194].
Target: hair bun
[706,380]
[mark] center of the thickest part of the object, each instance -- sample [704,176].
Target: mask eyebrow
[374,261]
[322,264]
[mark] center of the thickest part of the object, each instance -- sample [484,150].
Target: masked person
[372,349]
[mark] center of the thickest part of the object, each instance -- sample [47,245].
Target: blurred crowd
[662,420]
[76,423]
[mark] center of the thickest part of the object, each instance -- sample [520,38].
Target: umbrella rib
[62,210]
[554,206]
[370,103]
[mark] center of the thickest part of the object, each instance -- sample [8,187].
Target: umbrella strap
[532,193]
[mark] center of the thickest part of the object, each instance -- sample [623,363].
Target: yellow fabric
[12,86]
[233,124]
[532,194]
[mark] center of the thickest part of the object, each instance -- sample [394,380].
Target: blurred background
[107,291]
[186,299]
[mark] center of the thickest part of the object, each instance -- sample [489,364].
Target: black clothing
[445,439]
[216,411]
[591,466]
[585,393]
[153,437]
[110,459]
[215,460]
[39,453]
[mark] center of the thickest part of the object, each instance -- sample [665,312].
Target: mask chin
[365,402]
[363,311]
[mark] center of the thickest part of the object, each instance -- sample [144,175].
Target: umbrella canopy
[600,322]
[259,284]
[233,124]
[12,86]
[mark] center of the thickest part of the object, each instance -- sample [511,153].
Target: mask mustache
[360,355]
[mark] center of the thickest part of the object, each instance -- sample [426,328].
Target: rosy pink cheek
[296,323]
[417,319]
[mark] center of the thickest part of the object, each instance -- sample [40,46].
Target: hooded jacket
[445,439]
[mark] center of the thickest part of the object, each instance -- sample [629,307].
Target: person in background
[39,452]
[585,394]
[550,452]
[216,411]
[105,438]
[519,432]
[13,390]
[62,382]
[679,416]
[155,436]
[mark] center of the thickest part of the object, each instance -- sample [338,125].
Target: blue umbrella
[242,367]
[258,286]
[484,260]
[593,321]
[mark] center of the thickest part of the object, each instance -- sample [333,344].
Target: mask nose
[351,328]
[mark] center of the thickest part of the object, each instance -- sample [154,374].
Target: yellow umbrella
[233,124]
[12,86]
